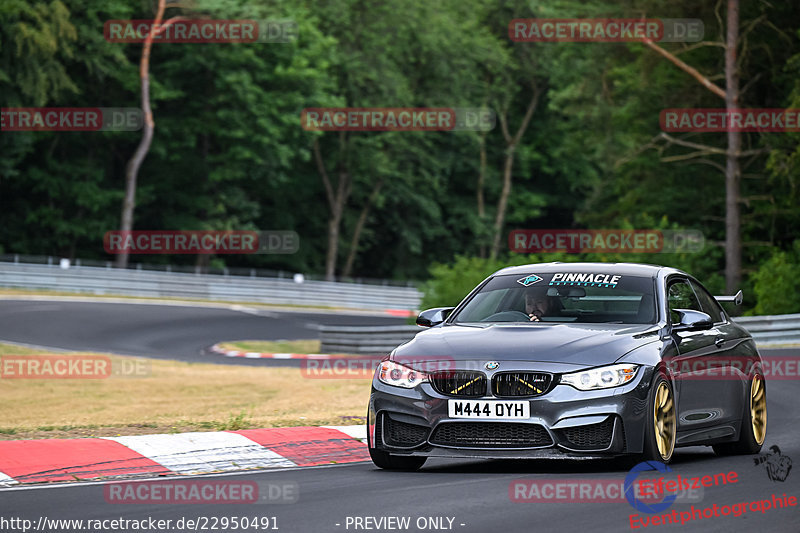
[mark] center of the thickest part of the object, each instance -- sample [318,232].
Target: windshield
[569,296]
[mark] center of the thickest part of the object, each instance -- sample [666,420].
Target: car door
[727,382]
[696,408]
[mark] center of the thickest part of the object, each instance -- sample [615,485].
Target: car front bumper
[563,423]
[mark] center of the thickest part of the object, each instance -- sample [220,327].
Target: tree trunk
[336,201]
[362,220]
[479,192]
[511,148]
[481,175]
[502,203]
[202,263]
[733,242]
[132,168]
[333,244]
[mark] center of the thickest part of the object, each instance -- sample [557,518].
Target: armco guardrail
[99,280]
[373,340]
[766,330]
[772,329]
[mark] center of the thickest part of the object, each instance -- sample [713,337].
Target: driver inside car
[538,304]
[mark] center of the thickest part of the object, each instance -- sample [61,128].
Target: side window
[681,296]
[709,304]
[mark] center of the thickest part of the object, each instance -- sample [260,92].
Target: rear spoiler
[736,299]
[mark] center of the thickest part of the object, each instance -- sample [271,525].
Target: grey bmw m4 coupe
[571,360]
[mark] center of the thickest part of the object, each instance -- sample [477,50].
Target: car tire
[387,461]
[660,421]
[754,420]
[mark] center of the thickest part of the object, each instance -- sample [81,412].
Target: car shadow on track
[562,466]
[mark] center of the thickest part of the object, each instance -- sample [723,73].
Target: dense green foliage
[229,152]
[777,283]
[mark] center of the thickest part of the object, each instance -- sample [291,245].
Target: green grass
[298,346]
[176,397]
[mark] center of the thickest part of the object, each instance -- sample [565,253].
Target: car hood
[581,345]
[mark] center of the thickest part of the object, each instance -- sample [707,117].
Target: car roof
[624,269]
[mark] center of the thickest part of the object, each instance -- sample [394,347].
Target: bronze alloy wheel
[664,421]
[758,408]
[751,436]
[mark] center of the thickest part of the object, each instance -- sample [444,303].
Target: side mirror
[433,317]
[691,320]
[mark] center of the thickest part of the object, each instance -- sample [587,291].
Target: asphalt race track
[162,331]
[474,494]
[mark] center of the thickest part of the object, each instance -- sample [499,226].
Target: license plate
[494,409]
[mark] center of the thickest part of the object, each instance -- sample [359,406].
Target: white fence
[766,330]
[770,330]
[99,280]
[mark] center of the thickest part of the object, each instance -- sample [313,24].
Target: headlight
[398,375]
[601,378]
